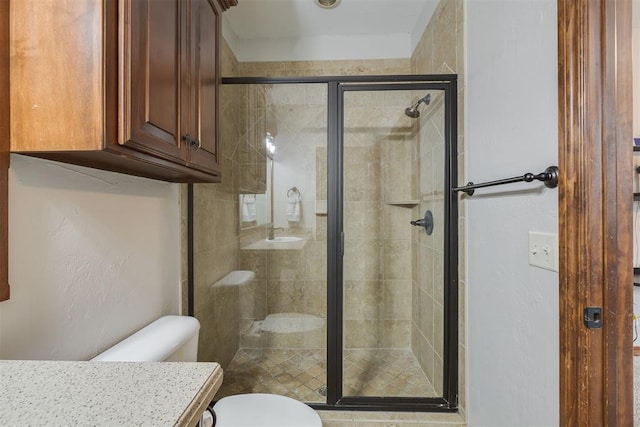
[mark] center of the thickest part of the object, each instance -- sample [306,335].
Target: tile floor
[300,374]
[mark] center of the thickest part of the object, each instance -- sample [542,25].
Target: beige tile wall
[379,169]
[379,145]
[216,243]
[324,68]
[287,281]
[292,280]
[427,327]
[280,286]
[441,50]
[251,118]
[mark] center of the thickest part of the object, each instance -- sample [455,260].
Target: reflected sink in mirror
[284,239]
[277,244]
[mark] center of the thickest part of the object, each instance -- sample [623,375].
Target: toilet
[175,339]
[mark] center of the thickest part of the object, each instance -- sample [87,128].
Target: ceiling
[284,30]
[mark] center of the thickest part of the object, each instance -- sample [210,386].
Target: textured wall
[92,259]
[512,128]
[636,68]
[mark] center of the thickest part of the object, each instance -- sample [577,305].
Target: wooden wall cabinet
[130,86]
[4,149]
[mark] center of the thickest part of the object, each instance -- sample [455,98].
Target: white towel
[249,213]
[293,208]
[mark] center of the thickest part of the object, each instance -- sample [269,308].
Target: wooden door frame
[4,149]
[595,211]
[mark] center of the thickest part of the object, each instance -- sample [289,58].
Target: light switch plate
[543,250]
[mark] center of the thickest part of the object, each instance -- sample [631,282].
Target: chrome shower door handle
[426,222]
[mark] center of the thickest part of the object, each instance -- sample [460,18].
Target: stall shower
[342,301]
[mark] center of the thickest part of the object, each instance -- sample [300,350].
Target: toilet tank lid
[236,278]
[155,342]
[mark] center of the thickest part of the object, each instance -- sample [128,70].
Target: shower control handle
[426,222]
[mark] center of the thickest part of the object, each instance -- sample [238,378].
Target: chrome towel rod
[549,177]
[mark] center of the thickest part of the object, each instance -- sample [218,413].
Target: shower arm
[549,177]
[425,99]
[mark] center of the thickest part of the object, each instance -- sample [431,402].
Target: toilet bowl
[264,410]
[175,338]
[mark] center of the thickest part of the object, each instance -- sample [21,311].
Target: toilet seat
[264,410]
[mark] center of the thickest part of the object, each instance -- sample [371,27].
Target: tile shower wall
[378,173]
[324,68]
[287,285]
[379,147]
[379,283]
[428,268]
[246,106]
[441,50]
[216,240]
[299,117]
[291,280]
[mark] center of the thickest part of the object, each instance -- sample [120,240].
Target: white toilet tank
[168,339]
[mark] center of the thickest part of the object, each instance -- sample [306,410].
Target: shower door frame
[337,86]
[335,243]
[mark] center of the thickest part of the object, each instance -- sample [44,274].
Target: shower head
[413,110]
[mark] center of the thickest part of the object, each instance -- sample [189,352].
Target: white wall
[636,68]
[269,31]
[93,256]
[512,124]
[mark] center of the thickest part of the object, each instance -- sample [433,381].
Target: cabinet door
[154,69]
[5,108]
[206,27]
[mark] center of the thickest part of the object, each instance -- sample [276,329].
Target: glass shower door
[394,169]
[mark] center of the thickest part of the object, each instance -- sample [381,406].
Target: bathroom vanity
[105,393]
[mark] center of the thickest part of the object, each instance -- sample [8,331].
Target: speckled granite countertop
[105,393]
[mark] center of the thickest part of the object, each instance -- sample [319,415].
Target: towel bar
[549,177]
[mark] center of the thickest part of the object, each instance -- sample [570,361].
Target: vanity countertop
[105,393]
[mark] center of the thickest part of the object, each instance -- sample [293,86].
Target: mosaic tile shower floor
[300,374]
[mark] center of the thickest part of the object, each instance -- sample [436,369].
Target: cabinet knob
[187,138]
